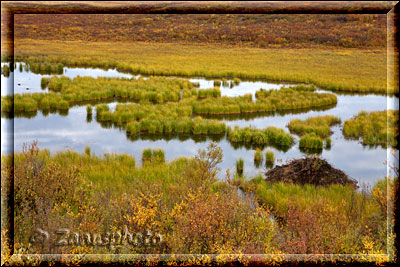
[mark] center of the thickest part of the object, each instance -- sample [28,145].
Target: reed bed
[267,101]
[5,70]
[268,136]
[205,93]
[45,68]
[375,128]
[319,125]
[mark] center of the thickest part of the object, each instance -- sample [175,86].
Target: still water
[73,131]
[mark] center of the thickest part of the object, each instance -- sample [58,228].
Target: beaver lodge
[309,170]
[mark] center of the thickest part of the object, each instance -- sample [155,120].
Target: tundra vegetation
[183,199]
[375,128]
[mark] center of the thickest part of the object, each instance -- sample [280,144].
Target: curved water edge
[55,131]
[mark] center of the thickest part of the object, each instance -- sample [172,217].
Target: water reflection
[75,130]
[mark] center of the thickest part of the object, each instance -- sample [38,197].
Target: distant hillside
[256,30]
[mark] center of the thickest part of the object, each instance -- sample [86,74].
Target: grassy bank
[351,70]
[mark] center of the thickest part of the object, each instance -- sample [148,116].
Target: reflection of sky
[56,132]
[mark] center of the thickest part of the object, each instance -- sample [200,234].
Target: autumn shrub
[219,223]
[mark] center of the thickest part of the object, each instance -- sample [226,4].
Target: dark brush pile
[309,170]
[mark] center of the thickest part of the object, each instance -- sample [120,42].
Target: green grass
[269,136]
[147,155]
[311,141]
[319,125]
[89,109]
[269,156]
[271,100]
[239,166]
[158,155]
[258,156]
[375,128]
[353,70]
[328,142]
[278,195]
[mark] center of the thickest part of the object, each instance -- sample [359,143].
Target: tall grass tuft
[147,155]
[239,166]
[269,156]
[89,109]
[158,156]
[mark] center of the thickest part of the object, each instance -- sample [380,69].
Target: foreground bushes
[180,200]
[375,128]
[332,219]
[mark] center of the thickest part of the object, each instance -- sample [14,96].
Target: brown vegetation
[254,30]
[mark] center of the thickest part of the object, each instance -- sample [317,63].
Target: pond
[73,131]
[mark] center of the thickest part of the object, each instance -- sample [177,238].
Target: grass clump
[375,128]
[311,141]
[153,155]
[239,166]
[319,125]
[158,156]
[258,157]
[269,136]
[147,155]
[89,109]
[87,151]
[328,142]
[269,157]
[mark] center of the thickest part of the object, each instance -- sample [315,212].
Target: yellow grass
[354,70]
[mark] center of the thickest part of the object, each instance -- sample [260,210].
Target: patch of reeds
[311,141]
[153,155]
[258,156]
[269,136]
[319,125]
[239,166]
[375,128]
[269,157]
